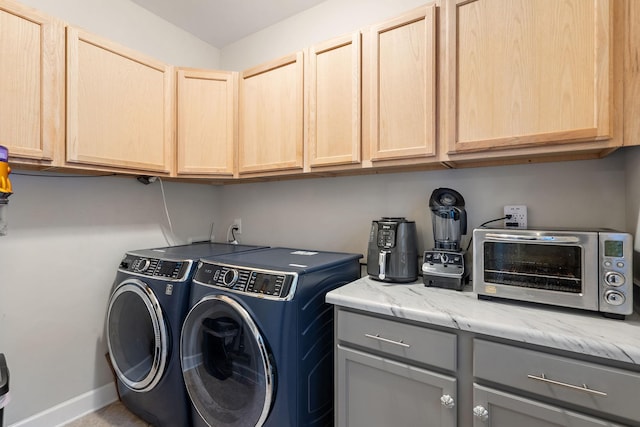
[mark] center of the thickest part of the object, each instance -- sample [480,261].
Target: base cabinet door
[373,391]
[499,409]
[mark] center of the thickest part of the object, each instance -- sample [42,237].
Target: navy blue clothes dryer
[149,300]
[257,343]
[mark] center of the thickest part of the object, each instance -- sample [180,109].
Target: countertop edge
[532,325]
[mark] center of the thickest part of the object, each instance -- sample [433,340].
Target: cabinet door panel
[271,116]
[402,88]
[508,410]
[378,392]
[528,72]
[31,83]
[119,106]
[207,116]
[335,102]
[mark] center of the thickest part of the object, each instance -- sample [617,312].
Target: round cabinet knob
[447,401]
[230,277]
[480,412]
[613,278]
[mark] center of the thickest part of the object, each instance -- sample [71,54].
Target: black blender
[443,266]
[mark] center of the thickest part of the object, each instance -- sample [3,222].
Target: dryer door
[137,335]
[225,364]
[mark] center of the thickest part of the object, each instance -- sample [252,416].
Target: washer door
[137,335]
[225,364]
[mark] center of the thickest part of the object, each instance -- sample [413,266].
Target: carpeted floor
[112,415]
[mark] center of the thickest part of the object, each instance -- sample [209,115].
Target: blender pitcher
[449,218]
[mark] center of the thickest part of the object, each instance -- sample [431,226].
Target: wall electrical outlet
[237,224]
[517,216]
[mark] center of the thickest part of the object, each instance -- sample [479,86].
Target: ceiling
[221,22]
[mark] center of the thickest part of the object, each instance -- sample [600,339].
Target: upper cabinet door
[271,116]
[120,111]
[31,83]
[207,118]
[334,102]
[402,66]
[527,72]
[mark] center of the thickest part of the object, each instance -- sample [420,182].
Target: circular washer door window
[225,364]
[137,335]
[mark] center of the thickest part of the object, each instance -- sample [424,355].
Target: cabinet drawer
[411,342]
[586,384]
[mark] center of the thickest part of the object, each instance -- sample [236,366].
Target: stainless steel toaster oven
[585,269]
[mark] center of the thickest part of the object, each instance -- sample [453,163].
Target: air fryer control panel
[155,267]
[256,282]
[387,235]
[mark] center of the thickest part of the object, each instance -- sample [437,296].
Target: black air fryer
[392,255]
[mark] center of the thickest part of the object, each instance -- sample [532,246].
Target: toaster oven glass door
[539,266]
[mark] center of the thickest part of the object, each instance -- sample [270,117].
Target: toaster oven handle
[531,238]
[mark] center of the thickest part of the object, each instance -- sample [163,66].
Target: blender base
[454,283]
[444,269]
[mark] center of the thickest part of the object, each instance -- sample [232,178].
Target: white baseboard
[72,409]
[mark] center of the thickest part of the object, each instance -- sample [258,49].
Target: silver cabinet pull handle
[379,338]
[571,386]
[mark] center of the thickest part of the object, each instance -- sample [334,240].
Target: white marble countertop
[578,331]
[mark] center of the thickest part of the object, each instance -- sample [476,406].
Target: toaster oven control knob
[613,278]
[230,277]
[614,297]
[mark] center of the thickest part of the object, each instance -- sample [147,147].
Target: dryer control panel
[155,267]
[260,283]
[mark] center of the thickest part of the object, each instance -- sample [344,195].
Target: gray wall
[632,167]
[130,25]
[66,237]
[336,213]
[328,19]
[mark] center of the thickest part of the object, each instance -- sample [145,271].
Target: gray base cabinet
[397,373]
[379,392]
[499,409]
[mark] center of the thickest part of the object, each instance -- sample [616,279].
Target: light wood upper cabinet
[402,86]
[527,73]
[207,119]
[334,109]
[120,106]
[31,83]
[271,117]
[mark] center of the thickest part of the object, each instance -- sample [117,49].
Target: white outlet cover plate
[518,215]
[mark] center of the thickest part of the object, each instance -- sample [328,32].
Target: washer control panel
[260,283]
[155,267]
